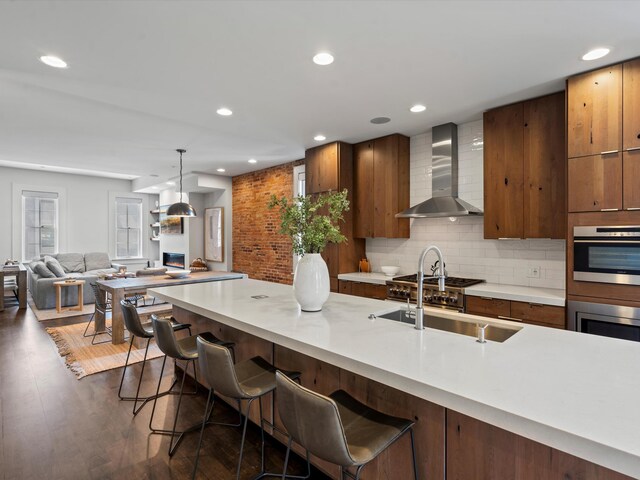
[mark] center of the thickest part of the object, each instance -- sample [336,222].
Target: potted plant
[311,222]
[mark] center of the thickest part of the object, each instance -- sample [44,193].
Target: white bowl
[389,270]
[178,273]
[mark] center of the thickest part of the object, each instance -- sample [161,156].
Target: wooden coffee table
[66,283]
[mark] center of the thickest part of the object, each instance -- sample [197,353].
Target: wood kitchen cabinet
[363,289]
[604,159]
[524,169]
[594,112]
[525,312]
[330,167]
[381,173]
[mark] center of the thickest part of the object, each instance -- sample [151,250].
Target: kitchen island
[572,392]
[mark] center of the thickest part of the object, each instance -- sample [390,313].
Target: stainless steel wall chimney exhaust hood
[444,179]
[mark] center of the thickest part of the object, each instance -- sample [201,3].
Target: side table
[65,283]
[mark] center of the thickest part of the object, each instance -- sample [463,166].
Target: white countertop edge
[545,296]
[604,455]
[376,278]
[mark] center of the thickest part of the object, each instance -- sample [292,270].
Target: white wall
[84,212]
[465,250]
[191,243]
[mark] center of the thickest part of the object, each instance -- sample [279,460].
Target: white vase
[311,282]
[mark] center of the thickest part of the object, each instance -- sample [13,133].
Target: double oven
[610,255]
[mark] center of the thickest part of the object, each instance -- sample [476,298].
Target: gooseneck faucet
[440,276]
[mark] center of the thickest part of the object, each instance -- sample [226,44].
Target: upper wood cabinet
[605,178]
[524,169]
[504,172]
[322,166]
[381,174]
[631,105]
[330,167]
[594,112]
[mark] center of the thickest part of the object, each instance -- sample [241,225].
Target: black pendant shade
[181,209]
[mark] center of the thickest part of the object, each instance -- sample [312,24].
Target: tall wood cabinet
[381,173]
[330,167]
[603,124]
[524,169]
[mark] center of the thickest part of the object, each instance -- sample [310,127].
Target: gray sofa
[88,267]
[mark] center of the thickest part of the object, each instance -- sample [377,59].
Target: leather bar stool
[337,428]
[138,329]
[248,380]
[179,349]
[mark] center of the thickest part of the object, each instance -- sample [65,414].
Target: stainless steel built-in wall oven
[608,254]
[603,319]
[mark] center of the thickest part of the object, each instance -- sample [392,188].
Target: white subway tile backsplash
[466,252]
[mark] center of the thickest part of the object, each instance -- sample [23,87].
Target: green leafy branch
[312,221]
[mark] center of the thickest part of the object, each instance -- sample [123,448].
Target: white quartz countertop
[575,392]
[545,296]
[372,277]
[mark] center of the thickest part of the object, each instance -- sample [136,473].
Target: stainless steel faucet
[440,276]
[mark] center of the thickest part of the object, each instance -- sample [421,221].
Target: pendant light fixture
[181,209]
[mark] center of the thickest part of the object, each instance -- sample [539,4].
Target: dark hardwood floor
[57,427]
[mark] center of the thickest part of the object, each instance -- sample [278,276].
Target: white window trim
[112,224]
[53,196]
[297,171]
[18,222]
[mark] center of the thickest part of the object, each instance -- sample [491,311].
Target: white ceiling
[145,78]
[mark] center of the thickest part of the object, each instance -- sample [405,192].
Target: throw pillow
[42,270]
[71,262]
[53,265]
[96,261]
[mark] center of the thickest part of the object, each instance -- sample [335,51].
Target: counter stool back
[248,380]
[138,329]
[183,349]
[328,426]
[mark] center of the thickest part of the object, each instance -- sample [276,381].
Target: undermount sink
[492,332]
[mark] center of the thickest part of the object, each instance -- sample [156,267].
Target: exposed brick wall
[258,249]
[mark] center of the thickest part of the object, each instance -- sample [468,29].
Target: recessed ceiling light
[595,54]
[221,170]
[253,160]
[53,61]
[418,108]
[319,138]
[380,120]
[171,183]
[225,112]
[154,187]
[323,58]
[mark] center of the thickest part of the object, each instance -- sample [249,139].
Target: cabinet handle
[536,304]
[609,209]
[509,238]
[509,318]
[632,208]
[486,298]
[609,152]
[632,149]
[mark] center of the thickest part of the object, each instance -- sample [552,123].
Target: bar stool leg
[244,434]
[172,447]
[155,400]
[413,454]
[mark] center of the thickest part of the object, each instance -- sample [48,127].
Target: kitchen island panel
[477,450]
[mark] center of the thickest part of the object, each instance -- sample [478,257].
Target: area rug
[84,359]
[52,314]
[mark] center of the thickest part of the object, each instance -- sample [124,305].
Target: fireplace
[173,259]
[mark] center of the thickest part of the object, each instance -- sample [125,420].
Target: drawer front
[489,307]
[537,314]
[344,287]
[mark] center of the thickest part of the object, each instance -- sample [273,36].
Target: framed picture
[170,225]
[214,234]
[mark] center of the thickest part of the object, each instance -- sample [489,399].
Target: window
[128,227]
[40,224]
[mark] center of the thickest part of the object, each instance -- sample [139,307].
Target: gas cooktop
[449,282]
